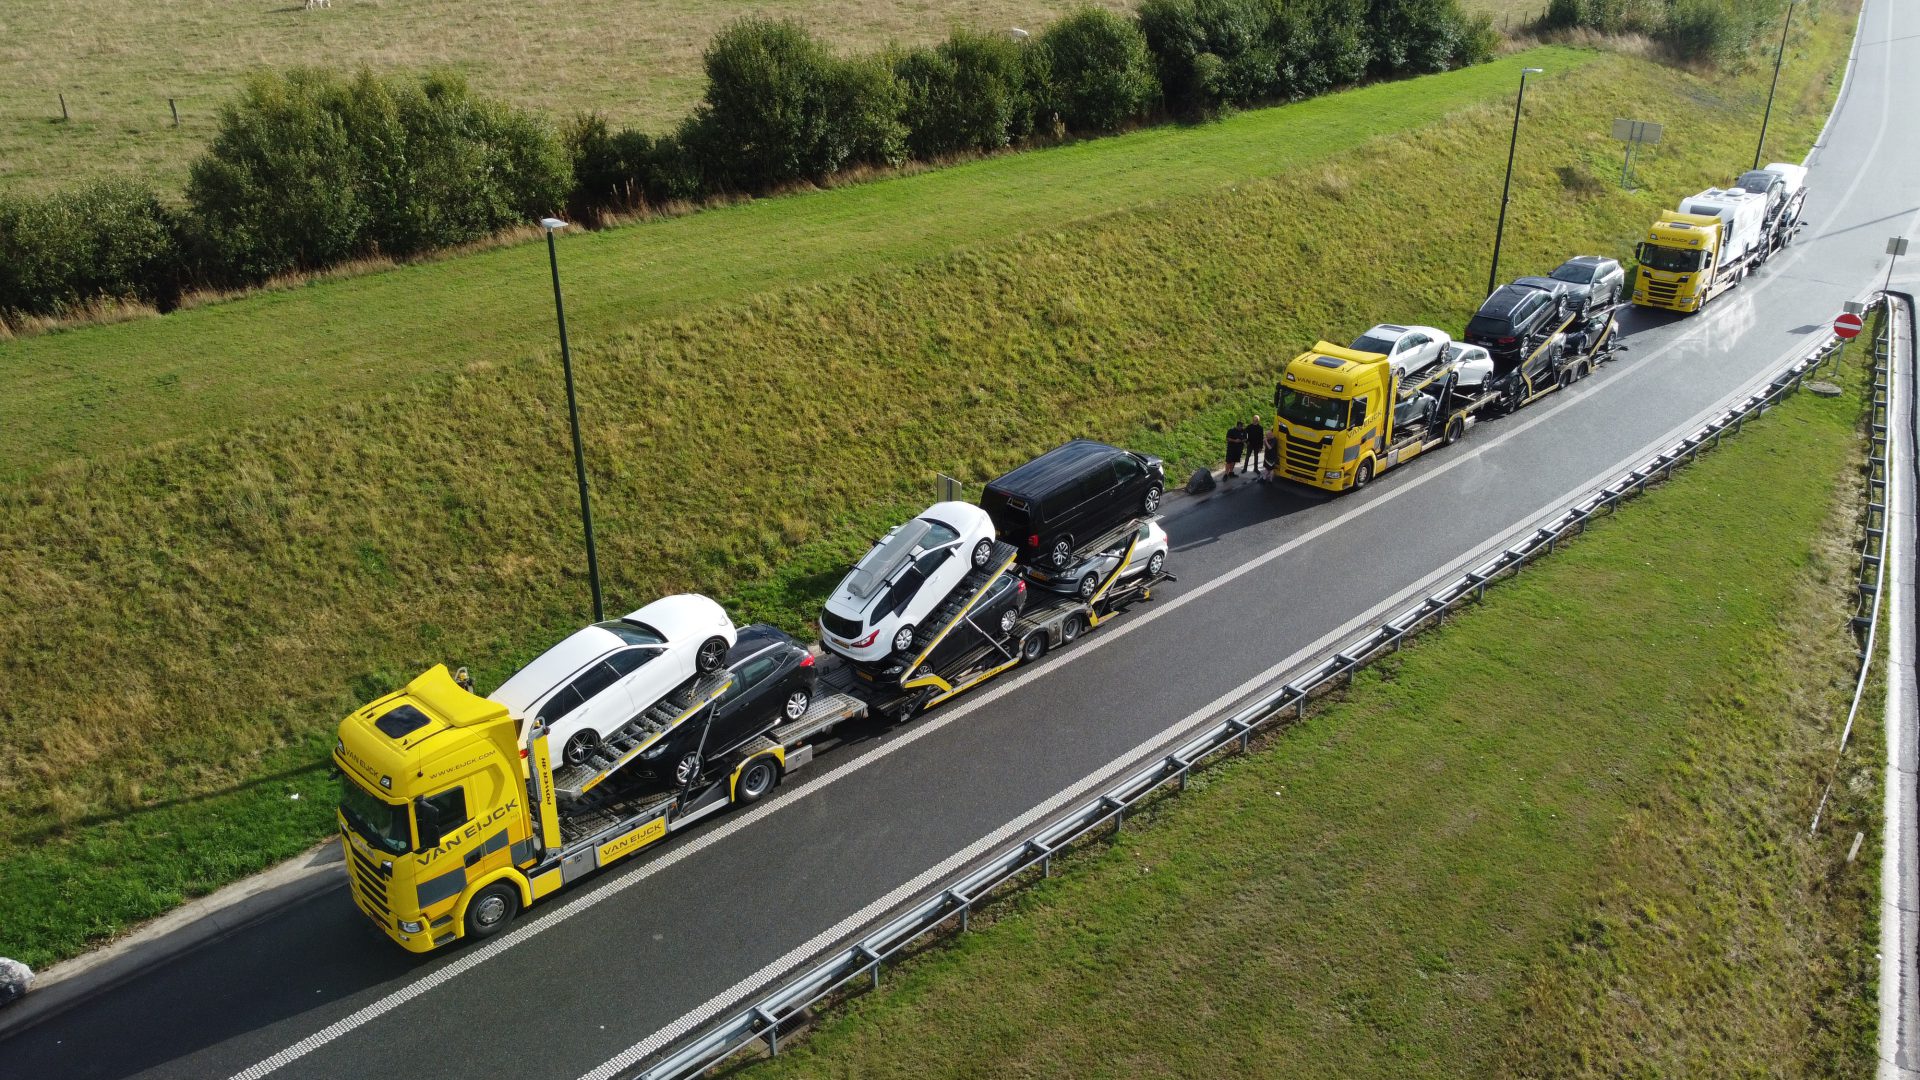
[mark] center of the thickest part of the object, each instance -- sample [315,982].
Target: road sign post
[1896,247]
[1634,133]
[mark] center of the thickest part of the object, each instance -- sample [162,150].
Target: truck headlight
[411,926]
[1333,474]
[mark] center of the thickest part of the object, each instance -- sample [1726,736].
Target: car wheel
[1363,475]
[1156,564]
[687,770]
[982,554]
[1070,630]
[1151,504]
[903,638]
[712,654]
[1062,552]
[1033,646]
[1008,620]
[1089,584]
[581,747]
[758,778]
[492,909]
[797,703]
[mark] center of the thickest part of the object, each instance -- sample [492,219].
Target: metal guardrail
[762,1020]
[1872,569]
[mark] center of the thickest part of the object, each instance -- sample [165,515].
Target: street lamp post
[553,225]
[1493,272]
[1779,55]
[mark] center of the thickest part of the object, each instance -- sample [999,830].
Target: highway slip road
[1267,579]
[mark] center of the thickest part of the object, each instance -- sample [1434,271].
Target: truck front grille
[369,881]
[1302,457]
[1662,291]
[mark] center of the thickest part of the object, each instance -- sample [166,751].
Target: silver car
[1599,279]
[1083,578]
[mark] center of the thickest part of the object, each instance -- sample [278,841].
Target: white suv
[878,607]
[600,678]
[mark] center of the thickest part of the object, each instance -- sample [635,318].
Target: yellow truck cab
[433,812]
[1345,416]
[1701,249]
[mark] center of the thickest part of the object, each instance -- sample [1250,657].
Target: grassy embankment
[185,618]
[637,61]
[1564,836]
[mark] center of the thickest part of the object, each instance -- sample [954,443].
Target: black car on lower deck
[773,683]
[985,630]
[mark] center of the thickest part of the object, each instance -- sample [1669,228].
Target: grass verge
[1564,836]
[194,615]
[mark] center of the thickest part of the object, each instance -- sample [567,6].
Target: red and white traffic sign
[1847,326]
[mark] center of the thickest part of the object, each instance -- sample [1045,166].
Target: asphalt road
[1265,575]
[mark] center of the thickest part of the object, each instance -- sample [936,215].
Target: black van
[1071,495]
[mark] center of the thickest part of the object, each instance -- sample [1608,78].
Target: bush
[969,93]
[1416,37]
[1098,74]
[1708,30]
[779,108]
[1212,53]
[111,240]
[1717,30]
[308,169]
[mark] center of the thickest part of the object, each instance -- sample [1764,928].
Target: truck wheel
[1456,428]
[760,776]
[1033,646]
[713,653]
[492,909]
[1070,630]
[1363,475]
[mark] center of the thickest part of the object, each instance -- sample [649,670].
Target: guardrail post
[772,1033]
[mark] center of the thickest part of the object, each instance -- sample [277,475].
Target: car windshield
[1369,343]
[1579,275]
[1310,410]
[381,823]
[633,633]
[1671,260]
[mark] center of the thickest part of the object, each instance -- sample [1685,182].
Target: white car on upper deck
[601,677]
[876,609]
[1407,348]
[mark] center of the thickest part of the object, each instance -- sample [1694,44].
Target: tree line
[311,168]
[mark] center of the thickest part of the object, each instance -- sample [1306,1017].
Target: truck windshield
[1310,410]
[1671,260]
[380,823]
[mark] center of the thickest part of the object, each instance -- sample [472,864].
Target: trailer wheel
[1070,630]
[1033,646]
[760,776]
[492,909]
[1582,370]
[1566,377]
[1455,430]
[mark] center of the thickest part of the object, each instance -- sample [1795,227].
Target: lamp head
[552,224]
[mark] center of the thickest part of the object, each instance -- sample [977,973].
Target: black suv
[773,683]
[1518,325]
[1071,495]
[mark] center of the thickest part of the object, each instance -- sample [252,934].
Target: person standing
[1236,443]
[1273,453]
[1256,443]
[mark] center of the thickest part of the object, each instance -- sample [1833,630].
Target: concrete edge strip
[1899,1034]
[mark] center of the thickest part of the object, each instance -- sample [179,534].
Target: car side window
[1126,469]
[564,701]
[755,671]
[931,561]
[937,534]
[628,661]
[903,590]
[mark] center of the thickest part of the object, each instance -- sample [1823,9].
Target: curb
[180,931]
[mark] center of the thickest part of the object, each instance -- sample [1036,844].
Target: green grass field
[1465,868]
[636,61]
[88,393]
[228,549]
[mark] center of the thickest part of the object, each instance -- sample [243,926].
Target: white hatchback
[876,610]
[597,680]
